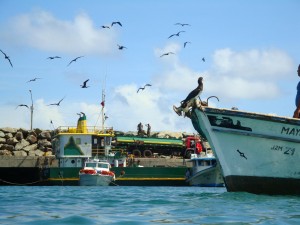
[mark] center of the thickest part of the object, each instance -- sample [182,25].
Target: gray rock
[12,141]
[22,144]
[19,136]
[19,153]
[44,143]
[2,135]
[45,135]
[2,140]
[8,135]
[7,147]
[5,152]
[9,130]
[39,152]
[31,139]
[30,148]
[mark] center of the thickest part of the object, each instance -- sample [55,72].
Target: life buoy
[137,153]
[147,153]
[87,171]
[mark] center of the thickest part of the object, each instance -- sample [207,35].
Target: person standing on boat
[297,101]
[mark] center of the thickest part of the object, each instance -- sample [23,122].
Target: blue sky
[251,49]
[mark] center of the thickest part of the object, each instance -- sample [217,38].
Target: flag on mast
[102,103]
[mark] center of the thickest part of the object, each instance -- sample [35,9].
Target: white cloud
[43,31]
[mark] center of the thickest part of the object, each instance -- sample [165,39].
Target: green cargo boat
[73,145]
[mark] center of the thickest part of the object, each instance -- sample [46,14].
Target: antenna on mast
[103,104]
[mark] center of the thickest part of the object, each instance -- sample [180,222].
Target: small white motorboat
[205,172]
[96,173]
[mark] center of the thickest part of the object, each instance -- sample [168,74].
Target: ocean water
[142,205]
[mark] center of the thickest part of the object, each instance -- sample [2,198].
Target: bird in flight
[185,43]
[7,57]
[57,103]
[142,88]
[105,26]
[177,34]
[54,57]
[168,53]
[74,60]
[121,47]
[22,105]
[203,59]
[84,84]
[34,79]
[182,24]
[116,23]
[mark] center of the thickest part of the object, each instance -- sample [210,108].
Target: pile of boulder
[20,142]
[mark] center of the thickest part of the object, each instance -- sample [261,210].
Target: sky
[251,50]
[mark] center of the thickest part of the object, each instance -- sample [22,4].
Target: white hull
[207,177]
[257,153]
[94,180]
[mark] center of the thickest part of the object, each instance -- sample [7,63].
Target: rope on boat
[7,182]
[114,183]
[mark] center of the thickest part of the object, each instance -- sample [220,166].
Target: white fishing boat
[96,173]
[258,153]
[205,172]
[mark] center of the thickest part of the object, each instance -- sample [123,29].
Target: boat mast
[102,110]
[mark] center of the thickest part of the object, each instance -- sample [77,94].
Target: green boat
[73,145]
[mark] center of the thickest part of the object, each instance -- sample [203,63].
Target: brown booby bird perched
[192,95]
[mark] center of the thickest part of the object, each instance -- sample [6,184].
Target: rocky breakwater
[22,143]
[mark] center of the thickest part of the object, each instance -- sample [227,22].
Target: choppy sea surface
[142,205]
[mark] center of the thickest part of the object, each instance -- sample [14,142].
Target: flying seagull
[22,105]
[57,103]
[54,57]
[177,34]
[84,84]
[182,24]
[203,59]
[105,26]
[185,43]
[168,53]
[116,23]
[74,60]
[121,47]
[7,57]
[142,88]
[34,79]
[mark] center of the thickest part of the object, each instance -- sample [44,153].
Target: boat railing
[87,129]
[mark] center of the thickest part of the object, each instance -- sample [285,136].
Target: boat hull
[125,176]
[208,177]
[94,180]
[257,153]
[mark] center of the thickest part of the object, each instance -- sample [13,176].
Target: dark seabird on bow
[142,88]
[84,84]
[186,103]
[7,57]
[74,60]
